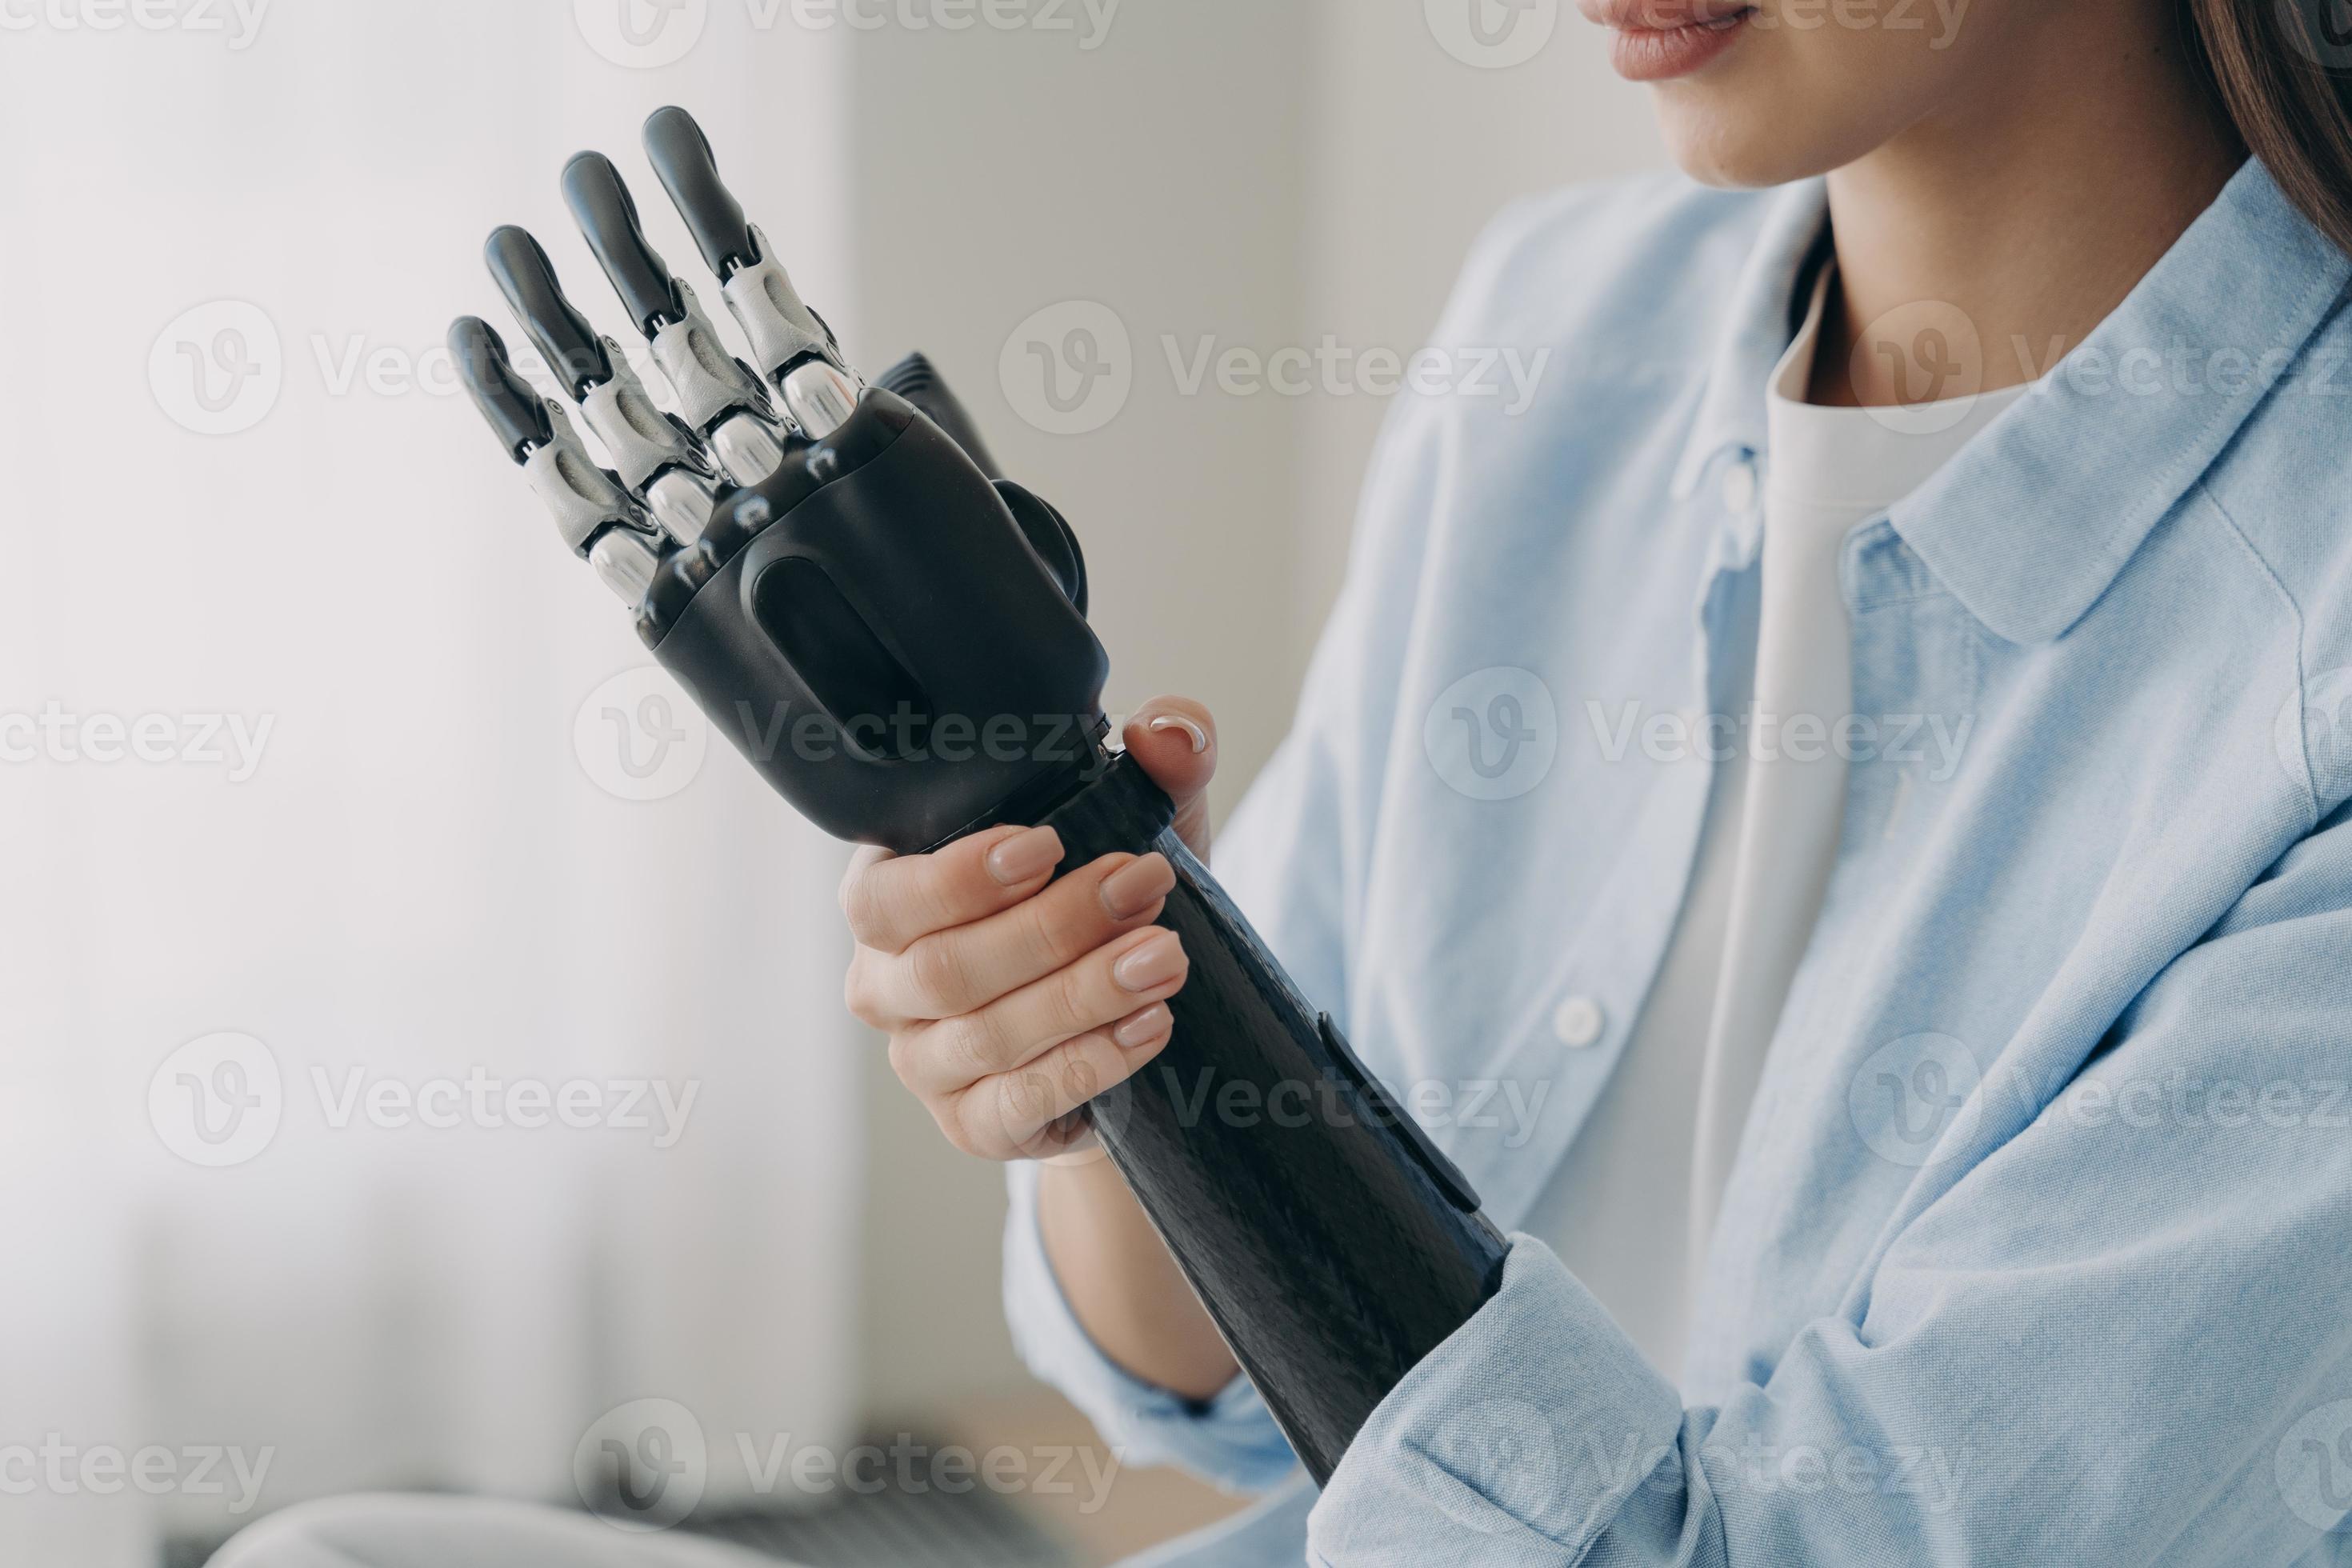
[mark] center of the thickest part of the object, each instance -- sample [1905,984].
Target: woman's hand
[1011,1002]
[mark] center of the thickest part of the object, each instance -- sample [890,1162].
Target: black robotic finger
[682,159]
[717,395]
[597,517]
[517,414]
[561,333]
[785,335]
[607,216]
[657,457]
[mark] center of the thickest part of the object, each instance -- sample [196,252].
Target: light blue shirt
[2038,1247]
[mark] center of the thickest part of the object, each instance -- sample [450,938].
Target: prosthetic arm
[896,637]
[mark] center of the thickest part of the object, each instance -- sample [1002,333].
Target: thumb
[1176,741]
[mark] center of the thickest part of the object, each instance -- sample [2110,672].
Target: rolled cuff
[1528,1432]
[1230,1440]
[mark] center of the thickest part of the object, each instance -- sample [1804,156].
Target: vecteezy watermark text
[645,35]
[645,1466]
[1531,1463]
[220,1099]
[231,742]
[1205,1096]
[1069,369]
[1335,370]
[480,1101]
[1675,736]
[237,20]
[61,1468]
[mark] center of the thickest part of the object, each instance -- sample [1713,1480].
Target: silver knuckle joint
[769,308]
[748,447]
[581,497]
[820,396]
[640,437]
[706,379]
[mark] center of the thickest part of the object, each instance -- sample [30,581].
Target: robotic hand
[896,638]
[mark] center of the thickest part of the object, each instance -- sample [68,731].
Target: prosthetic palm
[896,637]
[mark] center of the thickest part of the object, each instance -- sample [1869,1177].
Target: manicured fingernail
[1136,885]
[1145,1027]
[1026,857]
[1155,961]
[1178,722]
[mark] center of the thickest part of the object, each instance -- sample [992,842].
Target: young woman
[1834,815]
[1906,961]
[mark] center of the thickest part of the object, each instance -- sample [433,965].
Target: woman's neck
[2021,223]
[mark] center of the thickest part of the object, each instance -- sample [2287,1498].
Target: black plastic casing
[882,573]
[887,648]
[1333,1244]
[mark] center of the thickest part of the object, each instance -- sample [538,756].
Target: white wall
[1408,153]
[422,877]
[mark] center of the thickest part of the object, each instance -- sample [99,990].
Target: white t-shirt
[1632,1205]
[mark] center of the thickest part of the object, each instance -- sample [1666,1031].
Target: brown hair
[2282,71]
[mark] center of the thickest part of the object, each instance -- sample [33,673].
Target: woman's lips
[1660,45]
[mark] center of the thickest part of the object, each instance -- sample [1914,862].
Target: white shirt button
[1740,487]
[1578,1022]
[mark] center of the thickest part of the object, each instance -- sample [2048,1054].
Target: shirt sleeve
[1230,1440]
[2117,1337]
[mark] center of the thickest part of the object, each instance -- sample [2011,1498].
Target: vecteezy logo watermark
[638,737]
[1527,1464]
[1514,1451]
[1915,1096]
[238,20]
[217,368]
[216,1100]
[2174,1099]
[494,1104]
[2313,1466]
[913,1468]
[1335,370]
[1860,15]
[643,1465]
[2315,728]
[949,17]
[1510,1107]
[1492,35]
[102,1470]
[220,1100]
[226,741]
[2319,30]
[908,734]
[1493,734]
[646,1465]
[2180,368]
[1932,1477]
[1068,369]
[643,35]
[1928,356]
[1672,736]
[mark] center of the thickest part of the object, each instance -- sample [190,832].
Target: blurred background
[424,1047]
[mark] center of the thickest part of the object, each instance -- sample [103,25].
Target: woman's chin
[1744,146]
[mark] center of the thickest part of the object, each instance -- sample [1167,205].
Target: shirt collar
[2030,523]
[1759,326]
